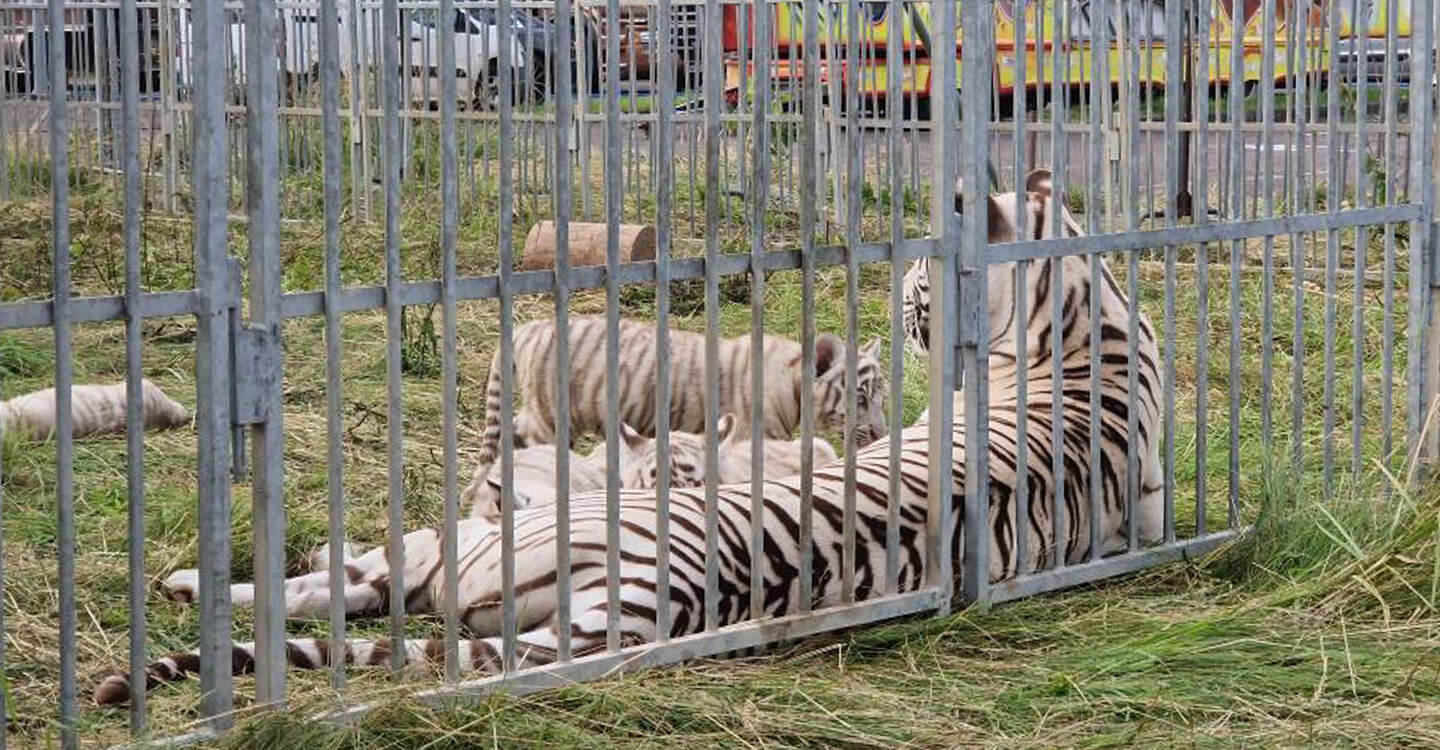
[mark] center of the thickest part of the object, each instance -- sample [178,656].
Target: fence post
[212,360]
[1424,268]
[945,229]
[973,345]
[267,433]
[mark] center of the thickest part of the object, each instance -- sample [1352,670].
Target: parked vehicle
[24,45]
[477,59]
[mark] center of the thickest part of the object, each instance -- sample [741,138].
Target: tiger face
[639,460]
[1039,206]
[829,391]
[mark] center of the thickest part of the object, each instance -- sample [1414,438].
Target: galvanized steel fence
[757,144]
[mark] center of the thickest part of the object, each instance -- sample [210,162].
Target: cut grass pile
[1323,627]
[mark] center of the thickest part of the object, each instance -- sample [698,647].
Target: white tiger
[533,474]
[94,409]
[535,378]
[479,600]
[733,454]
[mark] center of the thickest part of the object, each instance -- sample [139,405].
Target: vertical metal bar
[809,201]
[212,359]
[945,227]
[1392,164]
[894,105]
[713,73]
[1021,518]
[1059,87]
[1299,82]
[1237,250]
[1335,183]
[1267,293]
[1021,523]
[855,179]
[1362,237]
[508,622]
[1094,208]
[134,401]
[268,438]
[395,456]
[614,198]
[1424,331]
[1174,30]
[973,345]
[7,84]
[1132,277]
[1202,270]
[64,369]
[759,201]
[359,121]
[334,333]
[664,205]
[582,113]
[564,107]
[449,231]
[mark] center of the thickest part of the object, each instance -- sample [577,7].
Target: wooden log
[587,245]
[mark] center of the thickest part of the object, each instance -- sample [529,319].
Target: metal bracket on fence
[1434,251]
[257,359]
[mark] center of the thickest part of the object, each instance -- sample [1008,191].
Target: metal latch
[257,364]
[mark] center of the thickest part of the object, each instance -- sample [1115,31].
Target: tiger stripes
[479,603]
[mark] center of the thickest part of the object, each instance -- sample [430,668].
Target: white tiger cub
[534,471]
[533,480]
[94,409]
[687,457]
[535,377]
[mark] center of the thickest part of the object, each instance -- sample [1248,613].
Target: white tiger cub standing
[535,377]
[536,536]
[687,457]
[95,410]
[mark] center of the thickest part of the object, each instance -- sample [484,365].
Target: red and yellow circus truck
[1146,27]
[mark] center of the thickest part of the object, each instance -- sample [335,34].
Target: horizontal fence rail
[482,299]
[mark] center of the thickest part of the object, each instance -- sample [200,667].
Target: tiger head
[829,389]
[1003,220]
[640,463]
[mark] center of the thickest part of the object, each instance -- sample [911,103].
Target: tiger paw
[182,586]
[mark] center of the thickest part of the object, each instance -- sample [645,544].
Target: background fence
[1279,234]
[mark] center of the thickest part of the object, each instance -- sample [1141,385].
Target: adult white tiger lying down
[535,379]
[94,410]
[479,602]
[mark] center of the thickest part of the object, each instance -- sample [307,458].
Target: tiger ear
[827,353]
[1039,181]
[724,429]
[1001,225]
[633,439]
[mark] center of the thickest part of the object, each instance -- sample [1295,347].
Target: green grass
[1322,630]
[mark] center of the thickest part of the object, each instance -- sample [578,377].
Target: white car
[476,58]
